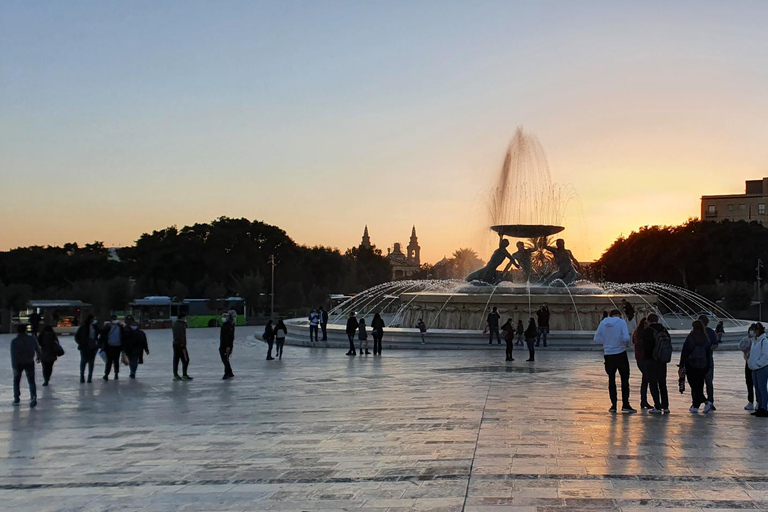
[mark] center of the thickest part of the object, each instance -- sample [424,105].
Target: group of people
[358,329]
[532,335]
[653,352]
[318,318]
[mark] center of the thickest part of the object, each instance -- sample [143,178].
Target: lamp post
[759,291]
[272,294]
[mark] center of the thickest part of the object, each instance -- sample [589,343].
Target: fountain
[525,204]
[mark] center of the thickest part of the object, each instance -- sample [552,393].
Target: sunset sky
[117,118]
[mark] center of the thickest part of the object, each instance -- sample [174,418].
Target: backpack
[662,349]
[698,357]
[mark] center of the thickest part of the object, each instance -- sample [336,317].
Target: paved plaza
[409,431]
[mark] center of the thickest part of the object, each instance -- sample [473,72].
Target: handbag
[124,359]
[58,349]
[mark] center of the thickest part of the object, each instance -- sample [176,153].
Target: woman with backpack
[758,363]
[280,333]
[696,358]
[50,350]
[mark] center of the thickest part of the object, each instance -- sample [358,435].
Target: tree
[250,288]
[463,262]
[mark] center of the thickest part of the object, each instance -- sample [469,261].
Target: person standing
[351,330]
[530,339]
[363,336]
[613,334]
[745,345]
[226,344]
[422,327]
[49,351]
[314,321]
[34,322]
[637,341]
[520,332]
[493,326]
[112,346]
[324,324]
[655,339]
[508,333]
[629,312]
[710,376]
[542,315]
[180,352]
[377,331]
[269,337]
[24,350]
[281,331]
[87,339]
[758,363]
[696,358]
[134,344]
[719,332]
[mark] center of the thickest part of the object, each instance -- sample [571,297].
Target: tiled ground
[410,431]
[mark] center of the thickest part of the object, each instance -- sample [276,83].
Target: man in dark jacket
[134,344]
[180,352]
[24,350]
[542,315]
[352,326]
[226,344]
[493,326]
[324,323]
[656,370]
[34,322]
[709,377]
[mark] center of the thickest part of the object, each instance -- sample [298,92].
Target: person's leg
[490,336]
[108,362]
[750,384]
[531,351]
[663,392]
[651,368]
[269,348]
[280,345]
[708,380]
[610,370]
[546,333]
[47,371]
[91,362]
[351,338]
[643,383]
[761,382]
[176,358]
[133,364]
[116,359]
[83,362]
[623,367]
[324,328]
[16,382]
[30,371]
[184,362]
[538,336]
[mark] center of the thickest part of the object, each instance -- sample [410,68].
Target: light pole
[272,294]
[759,291]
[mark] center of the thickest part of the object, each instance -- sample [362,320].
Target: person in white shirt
[613,334]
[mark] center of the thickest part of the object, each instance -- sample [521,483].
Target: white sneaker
[749,407]
[654,411]
[707,407]
[694,410]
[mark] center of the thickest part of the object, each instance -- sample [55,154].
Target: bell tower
[414,251]
[366,242]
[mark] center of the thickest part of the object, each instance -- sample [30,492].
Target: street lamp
[272,294]
[759,291]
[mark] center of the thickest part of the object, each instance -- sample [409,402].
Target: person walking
[281,331]
[352,325]
[314,322]
[530,339]
[269,337]
[34,322]
[696,358]
[520,329]
[134,344]
[542,315]
[377,331]
[180,352]
[710,376]
[50,350]
[758,363]
[613,334]
[508,333]
[422,327]
[226,344]
[87,339]
[363,336]
[24,350]
[657,349]
[493,326]
[745,345]
[112,346]
[637,341]
[324,324]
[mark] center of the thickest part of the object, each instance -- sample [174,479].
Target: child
[363,337]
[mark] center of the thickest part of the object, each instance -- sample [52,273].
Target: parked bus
[160,312]
[63,315]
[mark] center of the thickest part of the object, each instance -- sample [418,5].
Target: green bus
[160,311]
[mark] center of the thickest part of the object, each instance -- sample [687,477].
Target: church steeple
[414,251]
[366,242]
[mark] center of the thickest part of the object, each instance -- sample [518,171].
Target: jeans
[225,360]
[47,370]
[87,358]
[613,363]
[750,384]
[657,381]
[323,327]
[520,338]
[708,378]
[531,342]
[313,333]
[270,342]
[641,365]
[377,343]
[113,359]
[180,354]
[510,345]
[351,336]
[695,378]
[279,349]
[543,331]
[133,363]
[491,332]
[29,369]
[760,378]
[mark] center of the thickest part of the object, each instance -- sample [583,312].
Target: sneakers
[186,377]
[176,378]
[749,407]
[665,411]
[132,376]
[89,380]
[646,405]
[16,402]
[116,377]
[106,377]
[272,358]
[707,407]
[654,411]
[33,403]
[627,409]
[694,410]
[612,409]
[45,383]
[82,380]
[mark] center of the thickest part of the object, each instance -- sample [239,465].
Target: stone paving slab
[408,431]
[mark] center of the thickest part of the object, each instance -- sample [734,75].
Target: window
[730,208]
[742,208]
[761,209]
[711,209]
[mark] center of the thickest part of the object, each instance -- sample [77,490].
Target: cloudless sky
[117,118]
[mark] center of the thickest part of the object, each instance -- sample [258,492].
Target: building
[749,206]
[404,265]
